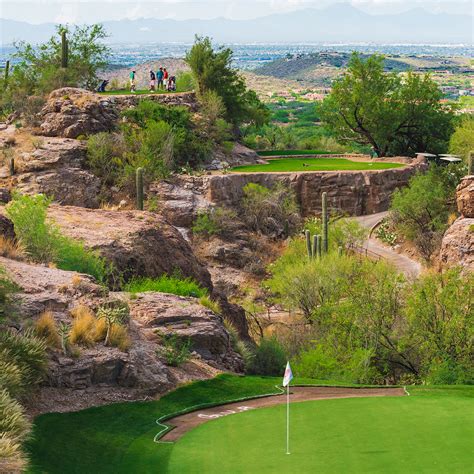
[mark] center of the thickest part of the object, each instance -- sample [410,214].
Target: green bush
[269,358]
[216,221]
[184,82]
[166,284]
[175,350]
[44,242]
[324,362]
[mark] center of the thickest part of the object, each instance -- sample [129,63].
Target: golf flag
[288,377]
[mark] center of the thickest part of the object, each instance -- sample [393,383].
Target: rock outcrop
[57,168]
[457,247]
[138,243]
[100,374]
[71,112]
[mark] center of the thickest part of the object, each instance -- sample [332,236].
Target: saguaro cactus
[470,166]
[318,246]
[307,234]
[7,73]
[325,217]
[12,166]
[139,184]
[64,50]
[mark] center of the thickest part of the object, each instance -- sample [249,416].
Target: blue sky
[81,11]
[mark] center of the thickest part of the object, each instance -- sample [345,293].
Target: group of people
[161,80]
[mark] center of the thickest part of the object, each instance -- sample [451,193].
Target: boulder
[159,315]
[465,196]
[71,112]
[457,247]
[138,243]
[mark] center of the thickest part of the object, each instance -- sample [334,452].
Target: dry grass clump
[83,326]
[119,337]
[46,328]
[11,249]
[12,459]
[100,330]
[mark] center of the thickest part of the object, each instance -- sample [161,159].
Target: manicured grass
[314,164]
[291,152]
[119,438]
[166,284]
[389,435]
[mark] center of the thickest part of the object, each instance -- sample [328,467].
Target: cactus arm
[139,185]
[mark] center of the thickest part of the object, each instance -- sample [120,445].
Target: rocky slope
[457,247]
[101,374]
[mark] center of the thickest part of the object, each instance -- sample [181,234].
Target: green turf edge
[167,428]
[292,152]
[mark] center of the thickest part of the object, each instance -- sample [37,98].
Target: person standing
[132,81]
[152,81]
[159,77]
[165,79]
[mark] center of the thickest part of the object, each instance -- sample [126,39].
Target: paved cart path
[405,264]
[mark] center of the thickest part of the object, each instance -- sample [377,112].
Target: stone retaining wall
[351,192]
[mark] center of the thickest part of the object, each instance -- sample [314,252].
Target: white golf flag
[288,377]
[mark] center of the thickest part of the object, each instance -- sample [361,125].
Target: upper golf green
[314,164]
[431,431]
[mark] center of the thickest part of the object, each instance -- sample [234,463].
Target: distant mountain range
[338,23]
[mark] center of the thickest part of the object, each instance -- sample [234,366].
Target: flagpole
[288,419]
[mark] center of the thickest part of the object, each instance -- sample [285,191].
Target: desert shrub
[119,337]
[211,304]
[385,234]
[7,288]
[269,358]
[46,328]
[216,221]
[175,350]
[43,241]
[12,459]
[12,419]
[166,284]
[83,330]
[440,325]
[270,211]
[105,155]
[342,232]
[420,211]
[324,362]
[462,140]
[237,344]
[27,352]
[113,313]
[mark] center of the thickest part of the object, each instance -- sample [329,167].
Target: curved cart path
[404,264]
[183,423]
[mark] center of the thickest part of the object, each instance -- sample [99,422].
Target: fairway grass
[376,435]
[118,438]
[314,164]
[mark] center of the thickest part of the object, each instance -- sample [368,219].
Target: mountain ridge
[339,22]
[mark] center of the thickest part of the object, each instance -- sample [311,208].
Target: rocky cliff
[457,247]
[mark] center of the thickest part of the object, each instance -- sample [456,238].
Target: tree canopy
[395,115]
[38,70]
[213,72]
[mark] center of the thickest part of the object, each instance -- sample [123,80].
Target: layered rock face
[138,243]
[101,374]
[349,192]
[457,247]
[56,168]
[352,192]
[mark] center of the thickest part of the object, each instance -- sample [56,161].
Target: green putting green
[389,435]
[435,424]
[314,164]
